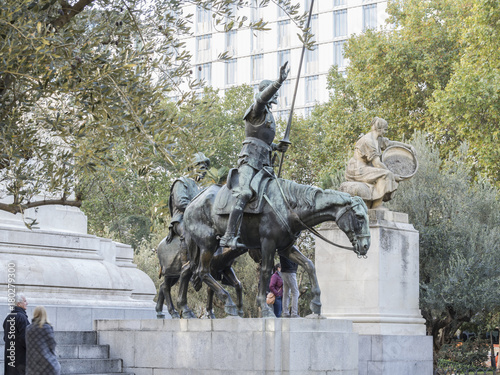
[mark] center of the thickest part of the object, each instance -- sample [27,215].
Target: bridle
[339,215]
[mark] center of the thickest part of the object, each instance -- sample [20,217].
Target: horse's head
[353,221]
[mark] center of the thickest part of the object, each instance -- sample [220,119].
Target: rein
[310,229]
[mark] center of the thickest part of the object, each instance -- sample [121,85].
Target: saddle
[225,200]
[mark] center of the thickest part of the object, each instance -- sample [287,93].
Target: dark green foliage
[459,224]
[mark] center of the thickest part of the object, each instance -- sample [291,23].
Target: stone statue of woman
[367,167]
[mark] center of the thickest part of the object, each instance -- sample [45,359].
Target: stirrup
[231,242]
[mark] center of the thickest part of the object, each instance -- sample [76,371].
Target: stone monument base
[78,277]
[233,346]
[378,294]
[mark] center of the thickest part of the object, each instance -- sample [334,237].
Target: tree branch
[18,208]
[69,12]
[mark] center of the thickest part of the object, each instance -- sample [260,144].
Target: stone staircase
[79,353]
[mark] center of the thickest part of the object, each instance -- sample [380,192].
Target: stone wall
[232,346]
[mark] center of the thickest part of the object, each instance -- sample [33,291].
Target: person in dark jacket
[14,331]
[276,286]
[290,287]
[41,357]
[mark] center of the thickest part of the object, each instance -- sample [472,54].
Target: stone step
[76,337]
[90,366]
[83,351]
[79,354]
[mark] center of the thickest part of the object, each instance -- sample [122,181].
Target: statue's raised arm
[269,93]
[260,130]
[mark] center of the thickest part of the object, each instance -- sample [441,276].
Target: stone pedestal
[233,346]
[379,294]
[76,276]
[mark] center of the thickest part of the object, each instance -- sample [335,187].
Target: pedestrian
[290,288]
[276,287]
[41,355]
[14,335]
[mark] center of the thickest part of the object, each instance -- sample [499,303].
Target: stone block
[129,325]
[122,344]
[106,325]
[196,352]
[395,354]
[139,371]
[152,325]
[153,349]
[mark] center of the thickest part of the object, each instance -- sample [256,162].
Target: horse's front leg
[168,284]
[231,278]
[210,300]
[268,248]
[296,256]
[206,277]
[186,274]
[161,300]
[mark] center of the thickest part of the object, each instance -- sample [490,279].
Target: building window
[255,89]
[257,67]
[256,13]
[257,41]
[314,25]
[369,16]
[338,3]
[231,42]
[283,115]
[307,5]
[204,73]
[281,12]
[284,34]
[231,72]
[311,89]
[203,20]
[338,53]
[283,57]
[308,111]
[233,10]
[312,58]
[285,95]
[340,23]
[203,46]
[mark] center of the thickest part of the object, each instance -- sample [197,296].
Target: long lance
[286,138]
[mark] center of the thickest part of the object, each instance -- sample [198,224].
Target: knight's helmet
[262,86]
[199,158]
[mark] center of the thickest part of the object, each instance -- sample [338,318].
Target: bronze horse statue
[171,267]
[287,209]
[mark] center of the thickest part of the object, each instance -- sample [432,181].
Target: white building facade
[257,55]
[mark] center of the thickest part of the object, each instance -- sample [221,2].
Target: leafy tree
[83,79]
[459,223]
[130,204]
[434,69]
[468,107]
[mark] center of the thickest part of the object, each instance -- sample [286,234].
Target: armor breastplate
[263,129]
[191,189]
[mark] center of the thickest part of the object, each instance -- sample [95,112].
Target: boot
[230,239]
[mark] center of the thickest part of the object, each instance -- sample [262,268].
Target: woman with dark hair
[276,287]
[41,355]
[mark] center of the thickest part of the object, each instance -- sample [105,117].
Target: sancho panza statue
[369,175]
[182,191]
[260,129]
